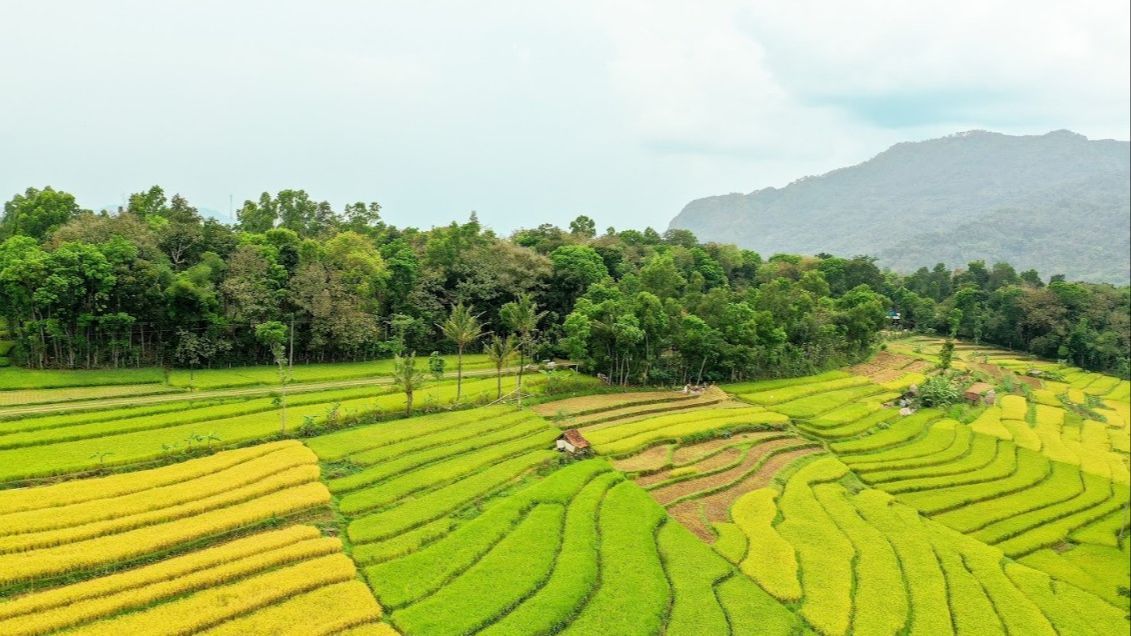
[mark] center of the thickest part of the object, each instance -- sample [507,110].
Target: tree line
[157,283]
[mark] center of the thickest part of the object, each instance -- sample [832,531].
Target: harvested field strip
[718,502]
[441,473]
[1096,493]
[616,433]
[689,409]
[1062,483]
[765,385]
[880,602]
[702,485]
[290,459]
[722,459]
[638,411]
[651,459]
[797,391]
[210,607]
[135,589]
[987,461]
[114,486]
[602,402]
[687,454]
[1032,470]
[437,503]
[825,555]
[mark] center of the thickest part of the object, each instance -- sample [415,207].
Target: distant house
[572,442]
[980,393]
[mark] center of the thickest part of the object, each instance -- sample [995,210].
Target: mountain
[1059,203]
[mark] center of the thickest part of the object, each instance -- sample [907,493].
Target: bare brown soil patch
[694,452]
[717,506]
[651,459]
[667,494]
[688,514]
[885,366]
[918,366]
[718,460]
[588,403]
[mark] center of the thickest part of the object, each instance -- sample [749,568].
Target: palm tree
[407,378]
[522,317]
[463,328]
[499,351]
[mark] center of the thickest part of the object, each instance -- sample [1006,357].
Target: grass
[18,378]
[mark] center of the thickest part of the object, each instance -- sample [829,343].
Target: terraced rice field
[460,524]
[220,545]
[802,505]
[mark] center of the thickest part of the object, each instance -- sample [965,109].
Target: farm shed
[572,442]
[980,393]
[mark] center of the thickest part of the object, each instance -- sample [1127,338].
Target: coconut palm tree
[463,328]
[522,316]
[407,378]
[499,351]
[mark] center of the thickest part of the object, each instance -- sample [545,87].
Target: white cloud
[528,112]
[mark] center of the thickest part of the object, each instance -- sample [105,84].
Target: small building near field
[572,442]
[980,393]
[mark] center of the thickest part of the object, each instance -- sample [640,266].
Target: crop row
[780,395]
[866,564]
[80,535]
[635,436]
[141,445]
[579,551]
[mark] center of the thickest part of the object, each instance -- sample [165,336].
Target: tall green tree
[273,334]
[463,328]
[36,213]
[521,316]
[499,351]
[407,378]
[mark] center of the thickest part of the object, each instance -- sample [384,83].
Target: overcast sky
[528,112]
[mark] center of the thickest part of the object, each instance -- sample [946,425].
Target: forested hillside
[156,284]
[1059,203]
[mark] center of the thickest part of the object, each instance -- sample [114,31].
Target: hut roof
[574,436]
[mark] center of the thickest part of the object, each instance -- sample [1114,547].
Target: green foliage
[939,391]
